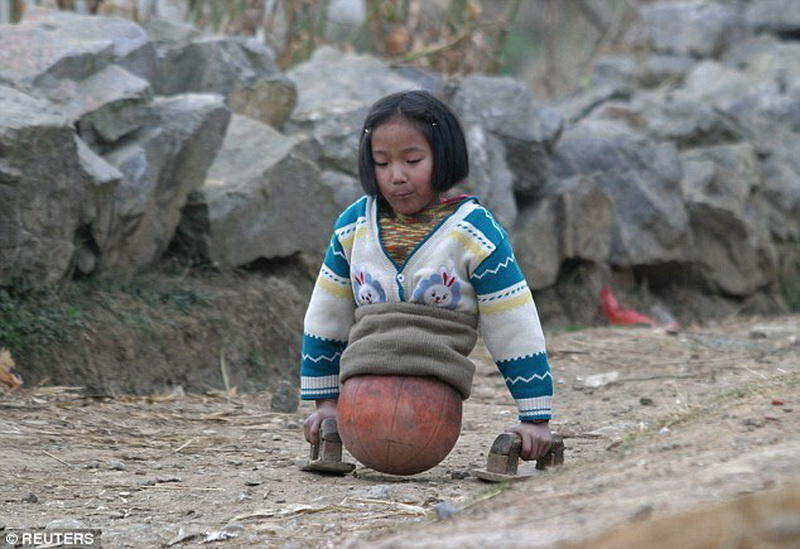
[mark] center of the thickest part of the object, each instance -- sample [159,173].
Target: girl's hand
[536,439]
[325,408]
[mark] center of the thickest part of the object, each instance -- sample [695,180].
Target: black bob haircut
[435,120]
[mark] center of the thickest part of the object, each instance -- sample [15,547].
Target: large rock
[528,131]
[642,177]
[241,69]
[777,149]
[490,177]
[335,91]
[777,16]
[162,164]
[56,193]
[130,46]
[679,120]
[262,199]
[768,85]
[660,69]
[75,72]
[732,247]
[697,28]
[573,221]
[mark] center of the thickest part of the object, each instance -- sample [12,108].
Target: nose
[398,174]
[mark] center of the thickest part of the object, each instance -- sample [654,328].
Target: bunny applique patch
[441,289]
[366,289]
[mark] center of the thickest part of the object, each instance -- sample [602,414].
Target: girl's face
[403,166]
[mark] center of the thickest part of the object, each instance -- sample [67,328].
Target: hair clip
[366,130]
[434,124]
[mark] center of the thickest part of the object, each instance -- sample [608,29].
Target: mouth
[402,195]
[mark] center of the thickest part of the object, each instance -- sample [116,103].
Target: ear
[449,280]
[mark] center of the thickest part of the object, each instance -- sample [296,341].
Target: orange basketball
[398,424]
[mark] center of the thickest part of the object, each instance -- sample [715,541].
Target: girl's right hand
[326,407]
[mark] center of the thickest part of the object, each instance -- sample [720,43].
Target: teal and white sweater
[465,264]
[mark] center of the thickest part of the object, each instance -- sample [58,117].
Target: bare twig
[58,459]
[184,445]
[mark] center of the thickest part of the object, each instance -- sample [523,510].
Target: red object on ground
[617,315]
[400,425]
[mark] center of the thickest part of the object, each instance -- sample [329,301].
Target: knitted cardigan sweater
[465,264]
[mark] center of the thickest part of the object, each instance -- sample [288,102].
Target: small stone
[644,401]
[235,462]
[252,482]
[160,480]
[751,422]
[64,524]
[292,425]
[381,491]
[445,510]
[280,500]
[663,431]
[777,402]
[285,398]
[459,475]
[116,465]
[758,334]
[31,498]
[642,512]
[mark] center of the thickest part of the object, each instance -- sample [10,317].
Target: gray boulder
[528,131]
[490,177]
[537,243]
[777,147]
[743,94]
[732,249]
[335,91]
[346,188]
[695,28]
[573,220]
[776,16]
[240,68]
[76,73]
[130,46]
[622,72]
[162,164]
[56,193]
[659,69]
[107,106]
[643,179]
[684,122]
[262,199]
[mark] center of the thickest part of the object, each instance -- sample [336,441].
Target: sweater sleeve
[327,323]
[509,324]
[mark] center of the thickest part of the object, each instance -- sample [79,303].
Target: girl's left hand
[536,439]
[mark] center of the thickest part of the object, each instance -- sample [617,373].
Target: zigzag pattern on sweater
[528,379]
[322,357]
[502,265]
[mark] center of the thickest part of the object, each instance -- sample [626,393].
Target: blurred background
[549,44]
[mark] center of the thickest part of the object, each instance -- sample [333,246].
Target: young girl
[402,258]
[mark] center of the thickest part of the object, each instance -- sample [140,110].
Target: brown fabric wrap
[413,340]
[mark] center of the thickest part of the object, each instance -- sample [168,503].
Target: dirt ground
[679,421]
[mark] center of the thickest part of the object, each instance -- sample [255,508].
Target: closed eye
[381,164]
[414,161]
